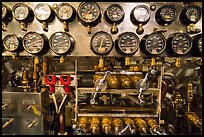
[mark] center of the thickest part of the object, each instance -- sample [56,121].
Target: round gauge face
[64,11]
[101,43]
[88,11]
[60,42]
[20,11]
[141,13]
[128,42]
[168,13]
[181,43]
[155,43]
[42,11]
[4,11]
[193,13]
[115,12]
[33,42]
[11,42]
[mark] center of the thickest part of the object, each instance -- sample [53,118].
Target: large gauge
[197,45]
[191,14]
[114,14]
[179,44]
[23,14]
[89,14]
[165,15]
[61,42]
[6,16]
[34,42]
[44,14]
[139,16]
[101,43]
[127,43]
[153,44]
[11,42]
[65,13]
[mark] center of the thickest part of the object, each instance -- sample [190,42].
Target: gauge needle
[129,42]
[183,43]
[61,42]
[101,43]
[88,11]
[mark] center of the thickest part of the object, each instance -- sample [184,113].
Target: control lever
[7,123]
[100,86]
[143,84]
[157,131]
[123,130]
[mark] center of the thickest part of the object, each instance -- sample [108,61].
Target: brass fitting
[141,124]
[178,62]
[34,108]
[189,95]
[44,26]
[178,102]
[65,26]
[25,78]
[127,61]
[83,122]
[89,29]
[96,77]
[61,59]
[7,123]
[125,81]
[23,26]
[94,124]
[114,29]
[117,124]
[193,118]
[106,125]
[129,121]
[112,81]
[33,123]
[153,62]
[152,123]
[140,29]
[135,79]
[101,63]
[191,29]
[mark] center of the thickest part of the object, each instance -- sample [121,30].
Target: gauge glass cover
[64,11]
[141,13]
[11,42]
[168,13]
[115,12]
[42,11]
[20,11]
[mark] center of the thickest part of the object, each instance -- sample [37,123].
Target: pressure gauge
[127,43]
[197,45]
[153,44]
[179,43]
[191,14]
[140,14]
[101,43]
[114,14]
[89,14]
[61,42]
[165,15]
[11,42]
[33,42]
[6,16]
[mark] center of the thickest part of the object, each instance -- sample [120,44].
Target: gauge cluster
[114,29]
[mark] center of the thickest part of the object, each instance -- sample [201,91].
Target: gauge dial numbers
[114,14]
[33,42]
[197,45]
[140,14]
[127,43]
[165,15]
[65,12]
[88,13]
[179,43]
[42,11]
[191,14]
[101,43]
[11,42]
[153,44]
[61,42]
[20,11]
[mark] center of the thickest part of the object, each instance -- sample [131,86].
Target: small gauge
[153,44]
[33,42]
[20,11]
[6,13]
[11,42]
[179,43]
[65,11]
[140,14]
[42,12]
[114,14]
[61,42]
[127,43]
[197,45]
[101,43]
[89,13]
[165,15]
[191,14]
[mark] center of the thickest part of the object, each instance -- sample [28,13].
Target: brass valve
[25,78]
[152,123]
[191,29]
[44,26]
[7,123]
[178,102]
[127,61]
[125,81]
[113,81]
[117,124]
[114,29]
[61,59]
[23,26]
[34,108]
[106,125]
[65,26]
[163,29]
[135,79]
[193,118]
[153,62]
[101,63]
[189,95]
[177,62]
[94,124]
[141,124]
[140,30]
[83,122]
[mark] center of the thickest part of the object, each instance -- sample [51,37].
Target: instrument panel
[164,13]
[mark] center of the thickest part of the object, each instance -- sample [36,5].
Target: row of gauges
[89,14]
[102,43]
